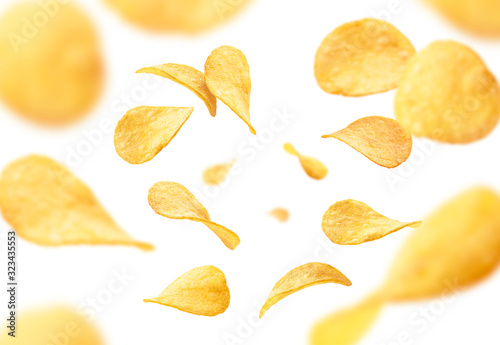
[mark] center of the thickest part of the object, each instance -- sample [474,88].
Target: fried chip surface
[280,214]
[313,167]
[216,174]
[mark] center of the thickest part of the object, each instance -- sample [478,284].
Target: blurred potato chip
[144,131]
[362,58]
[382,140]
[173,200]
[46,204]
[228,77]
[51,66]
[313,167]
[301,277]
[216,174]
[280,214]
[448,94]
[200,291]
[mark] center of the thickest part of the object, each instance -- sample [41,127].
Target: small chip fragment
[216,174]
[313,167]
[173,200]
[280,214]
[200,291]
[301,277]
[144,131]
[382,140]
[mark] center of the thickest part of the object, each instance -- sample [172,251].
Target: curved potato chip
[301,277]
[313,167]
[448,94]
[48,205]
[380,139]
[200,291]
[350,222]
[144,131]
[188,77]
[54,76]
[173,200]
[280,214]
[228,77]
[362,58]
[216,174]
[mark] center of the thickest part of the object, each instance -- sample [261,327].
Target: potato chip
[48,205]
[216,174]
[228,77]
[350,222]
[200,291]
[144,131]
[280,214]
[380,139]
[313,167]
[362,58]
[448,94]
[188,77]
[301,277]
[173,200]
[51,67]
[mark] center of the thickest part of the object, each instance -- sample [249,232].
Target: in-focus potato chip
[200,291]
[144,131]
[50,74]
[228,77]
[354,222]
[46,204]
[188,77]
[301,277]
[216,174]
[280,214]
[313,167]
[362,58]
[448,94]
[173,200]
[380,139]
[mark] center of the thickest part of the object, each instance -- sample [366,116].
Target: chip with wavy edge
[280,214]
[216,174]
[313,167]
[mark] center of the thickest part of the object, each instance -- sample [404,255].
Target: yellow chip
[301,277]
[50,62]
[200,291]
[280,214]
[216,174]
[448,94]
[362,58]
[173,200]
[380,139]
[350,222]
[228,77]
[48,205]
[187,76]
[313,167]
[144,131]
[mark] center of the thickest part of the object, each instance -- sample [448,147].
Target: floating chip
[228,77]
[200,291]
[187,76]
[362,58]
[173,200]
[380,139]
[280,214]
[354,222]
[144,131]
[301,277]
[216,174]
[313,167]
[448,94]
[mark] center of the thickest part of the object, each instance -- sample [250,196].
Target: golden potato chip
[48,205]
[301,277]
[200,291]
[354,222]
[173,200]
[216,174]
[380,139]
[313,167]
[280,214]
[188,77]
[51,66]
[228,77]
[362,58]
[448,94]
[144,131]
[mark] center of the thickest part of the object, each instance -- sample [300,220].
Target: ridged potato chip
[228,77]
[349,222]
[280,214]
[48,205]
[301,277]
[144,131]
[362,58]
[188,77]
[173,200]
[216,174]
[200,291]
[313,167]
[380,139]
[448,94]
